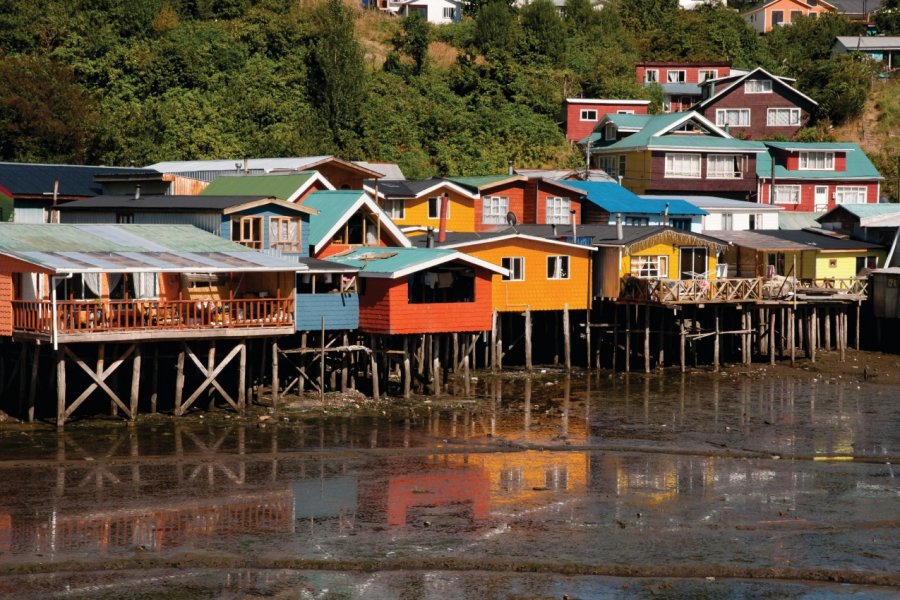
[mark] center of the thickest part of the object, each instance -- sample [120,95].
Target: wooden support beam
[345,365]
[373,365]
[716,340]
[528,357]
[322,363]
[856,326]
[32,386]
[135,381]
[627,338]
[615,352]
[210,378]
[179,380]
[467,381]
[813,333]
[455,362]
[771,337]
[276,383]
[210,365]
[60,388]
[826,312]
[99,377]
[494,341]
[647,338]
[154,383]
[792,328]
[567,338]
[407,372]
[242,377]
[682,358]
[587,341]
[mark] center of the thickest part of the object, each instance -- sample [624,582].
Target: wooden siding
[318,186]
[6,296]
[341,311]
[536,203]
[759,105]
[576,129]
[341,176]
[515,191]
[743,188]
[266,212]
[385,308]
[537,291]
[692,70]
[461,216]
[808,193]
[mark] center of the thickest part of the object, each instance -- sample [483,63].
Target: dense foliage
[138,81]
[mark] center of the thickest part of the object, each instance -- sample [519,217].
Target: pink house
[583,114]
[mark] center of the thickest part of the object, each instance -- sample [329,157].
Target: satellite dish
[511,219]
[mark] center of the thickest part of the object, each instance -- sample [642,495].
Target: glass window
[680,224]
[588,114]
[777,17]
[783,117]
[796,14]
[557,267]
[516,267]
[817,161]
[723,166]
[675,76]
[650,266]
[610,164]
[622,163]
[733,117]
[247,231]
[494,209]
[683,165]
[449,12]
[850,194]
[706,74]
[727,221]
[284,234]
[637,221]
[758,86]
[651,76]
[557,210]
[434,208]
[787,194]
[395,209]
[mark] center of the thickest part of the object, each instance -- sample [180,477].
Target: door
[821,198]
[693,263]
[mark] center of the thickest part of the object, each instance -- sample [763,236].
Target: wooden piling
[276,392]
[32,387]
[60,390]
[856,325]
[179,380]
[682,358]
[154,384]
[567,338]
[494,324]
[322,363]
[772,337]
[242,377]
[615,351]
[528,363]
[792,326]
[467,381]
[407,372]
[827,324]
[813,333]
[627,338]
[135,381]
[716,340]
[647,338]
[373,366]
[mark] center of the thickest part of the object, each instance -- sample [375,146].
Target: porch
[737,290]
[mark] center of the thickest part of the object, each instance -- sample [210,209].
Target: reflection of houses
[468,487]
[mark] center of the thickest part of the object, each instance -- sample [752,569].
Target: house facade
[499,196]
[680,81]
[778,13]
[728,214]
[437,12]
[756,105]
[411,203]
[816,176]
[583,114]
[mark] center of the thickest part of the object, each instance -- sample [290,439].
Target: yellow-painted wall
[844,266]
[674,255]
[461,217]
[536,290]
[637,171]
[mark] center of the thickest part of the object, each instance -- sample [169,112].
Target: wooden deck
[153,319]
[738,290]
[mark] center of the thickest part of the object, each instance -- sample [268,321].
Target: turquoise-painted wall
[266,212]
[341,311]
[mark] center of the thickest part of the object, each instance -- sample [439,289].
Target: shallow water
[594,487]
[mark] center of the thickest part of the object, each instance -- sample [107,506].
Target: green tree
[544,33]
[496,29]
[412,40]
[887,18]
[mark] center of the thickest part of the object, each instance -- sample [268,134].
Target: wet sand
[753,482]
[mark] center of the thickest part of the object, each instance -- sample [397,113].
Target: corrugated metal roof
[29,179]
[210,169]
[868,42]
[377,261]
[277,185]
[614,198]
[863,211]
[193,203]
[790,219]
[477,182]
[714,202]
[403,188]
[790,240]
[681,89]
[333,207]
[858,164]
[388,170]
[131,248]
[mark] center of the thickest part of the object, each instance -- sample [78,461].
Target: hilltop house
[778,13]
[881,48]
[680,81]
[583,114]
[437,12]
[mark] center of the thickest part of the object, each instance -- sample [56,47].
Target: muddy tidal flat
[749,483]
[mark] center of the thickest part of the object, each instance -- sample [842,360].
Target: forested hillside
[138,81]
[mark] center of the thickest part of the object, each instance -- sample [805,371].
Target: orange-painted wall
[460,218]
[515,191]
[384,308]
[341,177]
[332,248]
[544,191]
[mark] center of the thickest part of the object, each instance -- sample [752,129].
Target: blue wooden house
[324,289]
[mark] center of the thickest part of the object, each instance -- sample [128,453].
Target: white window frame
[816,160]
[623,163]
[791,192]
[390,207]
[560,267]
[859,193]
[494,209]
[654,78]
[557,210]
[585,114]
[793,117]
[650,267]
[450,12]
[675,163]
[438,204]
[624,112]
[722,166]
[727,221]
[760,84]
[704,74]
[722,117]
[509,263]
[681,79]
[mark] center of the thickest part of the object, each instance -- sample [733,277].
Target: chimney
[574,227]
[445,207]
[511,169]
[666,215]
[137,192]
[619,233]
[429,238]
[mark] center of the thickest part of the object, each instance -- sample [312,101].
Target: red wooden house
[680,81]
[582,114]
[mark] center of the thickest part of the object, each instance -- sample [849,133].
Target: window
[624,112]
[817,161]
[675,76]
[326,283]
[450,12]
[733,117]
[683,165]
[609,131]
[557,267]
[850,195]
[124,218]
[758,86]
[727,221]
[775,264]
[787,194]
[651,76]
[588,114]
[637,221]
[622,163]
[777,18]
[434,208]
[680,224]
[783,117]
[706,74]
[866,263]
[284,234]
[247,231]
[558,210]
[796,14]
[516,267]
[494,209]
[395,209]
[443,284]
[610,164]
[755,222]
[723,166]
[650,266]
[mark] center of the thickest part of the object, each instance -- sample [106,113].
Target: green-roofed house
[676,153]
[347,219]
[290,187]
[583,114]
[422,290]
[876,223]
[816,176]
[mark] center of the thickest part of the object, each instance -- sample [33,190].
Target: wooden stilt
[856,326]
[276,381]
[567,338]
[499,342]
[647,338]
[745,341]
[301,366]
[373,365]
[322,363]
[615,351]
[627,338]
[716,340]
[179,381]
[23,360]
[60,389]
[345,365]
[210,365]
[682,358]
[407,372]
[661,355]
[154,384]
[135,381]
[436,366]
[771,337]
[467,381]
[32,387]
[587,340]
[528,363]
[242,377]
[842,336]
[813,334]
[827,324]
[792,328]
[455,361]
[494,325]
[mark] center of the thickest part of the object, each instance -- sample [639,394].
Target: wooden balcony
[112,320]
[735,290]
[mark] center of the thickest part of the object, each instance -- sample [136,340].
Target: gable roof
[405,188]
[858,164]
[869,215]
[791,240]
[336,207]
[796,219]
[207,170]
[61,248]
[717,203]
[607,102]
[392,263]
[752,75]
[656,134]
[536,233]
[224,204]
[480,182]
[613,198]
[871,43]
[286,186]
[32,179]
[636,238]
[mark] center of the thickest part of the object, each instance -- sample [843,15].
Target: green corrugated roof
[395,259]
[630,121]
[278,186]
[858,164]
[790,219]
[478,182]
[871,210]
[649,137]
[332,207]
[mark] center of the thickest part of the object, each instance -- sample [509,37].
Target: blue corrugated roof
[614,198]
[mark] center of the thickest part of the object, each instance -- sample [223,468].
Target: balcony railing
[672,291]
[77,316]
